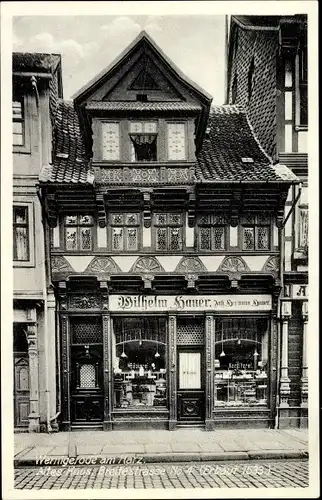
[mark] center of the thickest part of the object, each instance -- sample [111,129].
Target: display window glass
[139,362]
[241,362]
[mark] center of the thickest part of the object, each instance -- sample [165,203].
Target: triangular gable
[144,81]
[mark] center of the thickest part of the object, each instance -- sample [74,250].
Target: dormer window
[143,136]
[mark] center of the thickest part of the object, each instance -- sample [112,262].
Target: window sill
[21,149]
[18,263]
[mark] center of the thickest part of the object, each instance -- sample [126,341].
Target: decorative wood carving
[104,294]
[209,339]
[147,209]
[62,295]
[192,210]
[272,264]
[280,208]
[102,265]
[101,214]
[106,367]
[60,265]
[65,368]
[190,265]
[233,265]
[147,265]
[191,280]
[51,208]
[235,207]
[84,302]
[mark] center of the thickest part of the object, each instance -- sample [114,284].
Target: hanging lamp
[123,355]
[222,354]
[157,354]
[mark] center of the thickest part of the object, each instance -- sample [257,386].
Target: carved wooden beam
[51,209]
[191,280]
[280,208]
[147,208]
[101,214]
[191,209]
[235,207]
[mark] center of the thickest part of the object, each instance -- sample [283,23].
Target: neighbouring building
[36,88]
[268,75]
[165,217]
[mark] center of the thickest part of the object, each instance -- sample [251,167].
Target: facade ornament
[191,280]
[51,209]
[304,377]
[233,265]
[101,214]
[235,207]
[147,265]
[192,210]
[147,208]
[84,302]
[272,264]
[147,279]
[284,380]
[60,265]
[190,264]
[102,265]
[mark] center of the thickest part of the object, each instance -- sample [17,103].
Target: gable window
[110,141]
[168,231]
[256,233]
[143,136]
[18,122]
[20,234]
[78,232]
[125,231]
[212,233]
[176,141]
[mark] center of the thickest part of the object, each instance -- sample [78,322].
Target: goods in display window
[241,362]
[139,362]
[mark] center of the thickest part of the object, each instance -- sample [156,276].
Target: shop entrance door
[191,390]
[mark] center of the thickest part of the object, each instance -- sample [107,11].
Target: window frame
[111,226]
[78,228]
[211,225]
[301,83]
[31,237]
[130,143]
[255,225]
[25,112]
[155,226]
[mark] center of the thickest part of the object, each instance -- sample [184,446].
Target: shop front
[170,361]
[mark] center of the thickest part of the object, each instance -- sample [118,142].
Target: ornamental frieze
[190,265]
[84,302]
[102,265]
[60,265]
[272,264]
[147,265]
[233,265]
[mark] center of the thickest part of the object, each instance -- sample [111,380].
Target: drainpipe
[282,253]
[43,265]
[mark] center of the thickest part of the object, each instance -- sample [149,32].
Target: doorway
[191,385]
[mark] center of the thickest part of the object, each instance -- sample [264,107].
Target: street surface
[229,474]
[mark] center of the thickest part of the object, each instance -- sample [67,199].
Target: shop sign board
[187,303]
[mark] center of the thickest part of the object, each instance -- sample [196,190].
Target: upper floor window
[168,231]
[256,232]
[212,232]
[125,231]
[304,228]
[78,232]
[301,88]
[143,136]
[18,122]
[176,141]
[111,141]
[20,234]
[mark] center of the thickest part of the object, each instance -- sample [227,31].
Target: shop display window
[139,362]
[241,362]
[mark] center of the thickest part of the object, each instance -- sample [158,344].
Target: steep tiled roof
[26,61]
[232,153]
[142,106]
[70,159]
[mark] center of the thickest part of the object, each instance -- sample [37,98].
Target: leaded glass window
[168,231]
[256,232]
[78,232]
[143,140]
[20,234]
[176,141]
[125,231]
[110,141]
[212,232]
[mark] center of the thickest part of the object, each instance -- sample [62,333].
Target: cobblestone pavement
[229,474]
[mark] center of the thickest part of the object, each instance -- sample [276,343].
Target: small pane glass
[87,376]
[175,239]
[161,219]
[248,238]
[86,219]
[175,219]
[17,110]
[117,238]
[149,127]
[86,238]
[71,238]
[219,238]
[263,238]
[205,219]
[205,238]
[161,239]
[136,127]
[117,219]
[20,215]
[131,219]
[132,239]
[71,219]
